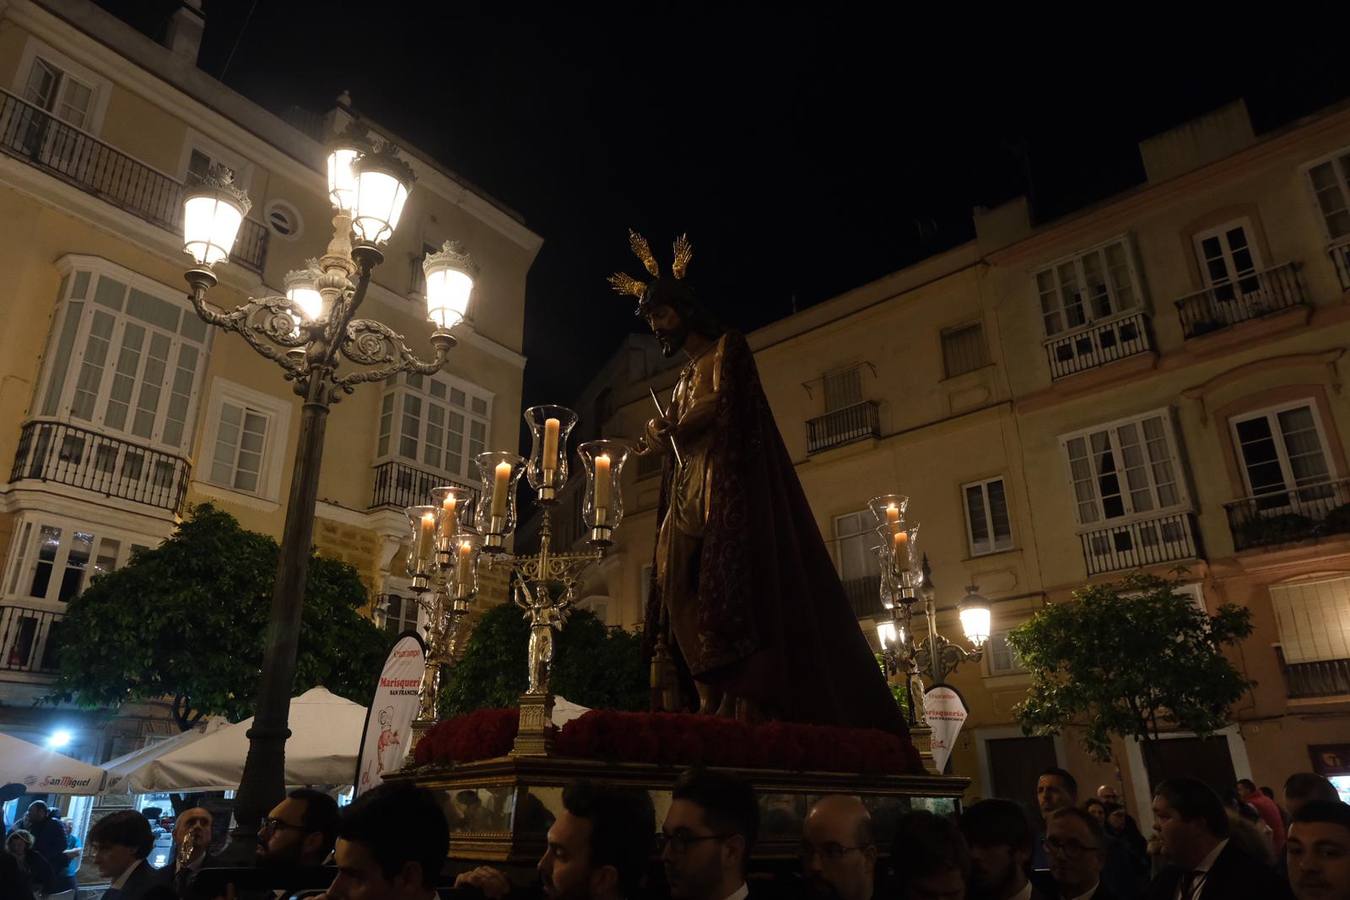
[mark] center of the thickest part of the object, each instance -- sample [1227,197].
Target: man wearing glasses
[706,838]
[839,853]
[1075,845]
[299,831]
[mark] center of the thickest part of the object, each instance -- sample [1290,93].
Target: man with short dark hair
[598,847]
[1192,829]
[999,838]
[839,851]
[1076,845]
[1319,852]
[1303,788]
[299,831]
[707,836]
[1055,789]
[929,858]
[120,842]
[49,842]
[1250,794]
[391,845]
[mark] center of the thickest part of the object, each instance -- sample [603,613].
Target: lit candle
[601,485]
[501,485]
[425,538]
[901,539]
[550,461]
[892,515]
[462,575]
[449,525]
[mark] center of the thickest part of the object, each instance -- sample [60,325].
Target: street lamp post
[905,577]
[308,333]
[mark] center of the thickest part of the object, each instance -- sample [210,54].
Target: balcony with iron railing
[34,136]
[1222,306]
[843,426]
[1319,678]
[399,485]
[1281,517]
[864,596]
[28,639]
[1141,541]
[1104,341]
[58,453]
[1339,250]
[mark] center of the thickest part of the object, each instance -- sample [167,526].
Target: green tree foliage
[592,665]
[188,620]
[1124,659]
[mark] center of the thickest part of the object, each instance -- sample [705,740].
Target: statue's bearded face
[669,328]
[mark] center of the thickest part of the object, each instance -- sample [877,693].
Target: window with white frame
[1003,659]
[963,349]
[52,559]
[1229,259]
[401,614]
[1125,468]
[125,356]
[436,422]
[1313,618]
[200,153]
[50,86]
[988,526]
[1330,182]
[244,439]
[1095,284]
[855,545]
[1283,449]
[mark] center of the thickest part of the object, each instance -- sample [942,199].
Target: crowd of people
[605,844]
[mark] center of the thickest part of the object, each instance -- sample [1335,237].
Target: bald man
[839,853]
[195,823]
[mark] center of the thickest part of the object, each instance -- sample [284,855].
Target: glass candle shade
[602,507]
[903,562]
[888,510]
[499,471]
[549,428]
[462,574]
[455,515]
[422,549]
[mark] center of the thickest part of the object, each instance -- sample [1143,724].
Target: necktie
[1188,881]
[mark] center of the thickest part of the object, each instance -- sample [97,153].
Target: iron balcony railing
[400,485]
[74,456]
[864,596]
[1322,678]
[1097,344]
[1252,297]
[34,136]
[28,639]
[1340,257]
[1140,542]
[843,426]
[1279,517]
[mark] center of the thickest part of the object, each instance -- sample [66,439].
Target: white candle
[901,540]
[462,575]
[501,485]
[449,525]
[892,515]
[425,537]
[601,484]
[551,429]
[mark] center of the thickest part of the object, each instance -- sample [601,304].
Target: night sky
[805,152]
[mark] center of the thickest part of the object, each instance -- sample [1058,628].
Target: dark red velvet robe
[776,624]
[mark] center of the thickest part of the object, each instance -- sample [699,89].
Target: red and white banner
[384,743]
[945,713]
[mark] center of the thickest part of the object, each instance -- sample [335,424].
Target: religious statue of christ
[746,611]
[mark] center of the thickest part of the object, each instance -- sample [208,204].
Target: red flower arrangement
[679,739]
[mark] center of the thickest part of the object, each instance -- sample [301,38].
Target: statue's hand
[656,437]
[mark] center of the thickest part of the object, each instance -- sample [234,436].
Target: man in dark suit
[193,827]
[1192,829]
[1000,839]
[120,843]
[1076,847]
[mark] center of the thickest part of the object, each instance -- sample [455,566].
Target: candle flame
[428,518]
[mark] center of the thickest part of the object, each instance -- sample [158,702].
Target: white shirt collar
[740,893]
[126,873]
[1087,895]
[1208,861]
[1023,894]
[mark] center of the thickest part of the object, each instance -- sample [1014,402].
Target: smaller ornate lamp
[303,293]
[499,471]
[976,616]
[886,632]
[382,183]
[212,214]
[549,428]
[602,507]
[454,517]
[422,551]
[449,274]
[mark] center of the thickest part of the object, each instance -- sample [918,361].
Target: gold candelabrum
[905,577]
[543,584]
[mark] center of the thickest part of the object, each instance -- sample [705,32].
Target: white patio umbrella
[44,771]
[325,737]
[124,766]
